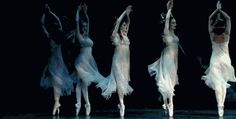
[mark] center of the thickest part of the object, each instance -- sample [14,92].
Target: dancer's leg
[219,95]
[171,106]
[121,106]
[78,97]
[86,98]
[57,93]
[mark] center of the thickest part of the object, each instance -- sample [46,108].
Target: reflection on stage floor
[131,114]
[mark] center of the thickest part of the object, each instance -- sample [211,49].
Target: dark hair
[82,20]
[219,30]
[163,17]
[124,20]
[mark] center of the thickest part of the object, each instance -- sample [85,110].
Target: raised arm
[43,26]
[57,21]
[78,34]
[228,22]
[126,12]
[210,27]
[168,15]
[55,18]
[116,28]
[48,12]
[85,9]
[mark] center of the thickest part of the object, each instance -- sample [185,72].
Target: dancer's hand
[170,4]
[218,5]
[79,7]
[85,8]
[129,9]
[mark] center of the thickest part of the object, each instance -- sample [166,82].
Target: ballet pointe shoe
[88,109]
[170,110]
[165,109]
[77,106]
[221,111]
[56,108]
[122,109]
[164,106]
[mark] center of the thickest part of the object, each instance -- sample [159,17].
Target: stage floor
[131,114]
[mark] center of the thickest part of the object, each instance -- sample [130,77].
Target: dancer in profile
[220,70]
[119,78]
[55,73]
[165,68]
[86,67]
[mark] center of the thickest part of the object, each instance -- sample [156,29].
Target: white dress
[120,70]
[165,68]
[85,64]
[220,70]
[56,74]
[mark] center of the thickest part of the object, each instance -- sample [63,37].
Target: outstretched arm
[48,11]
[43,26]
[168,15]
[55,17]
[228,22]
[210,27]
[85,9]
[78,34]
[55,20]
[126,12]
[58,21]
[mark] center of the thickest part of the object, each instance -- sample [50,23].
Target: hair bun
[162,17]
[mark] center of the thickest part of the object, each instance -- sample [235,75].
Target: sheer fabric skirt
[165,71]
[86,68]
[56,74]
[219,72]
[119,78]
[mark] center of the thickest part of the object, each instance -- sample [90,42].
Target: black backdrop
[26,52]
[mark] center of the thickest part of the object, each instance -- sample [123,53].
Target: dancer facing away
[55,73]
[119,78]
[86,67]
[220,70]
[165,68]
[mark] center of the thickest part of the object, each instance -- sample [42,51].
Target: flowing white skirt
[165,69]
[119,78]
[220,70]
[86,67]
[56,74]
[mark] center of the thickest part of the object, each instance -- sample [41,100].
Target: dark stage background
[26,53]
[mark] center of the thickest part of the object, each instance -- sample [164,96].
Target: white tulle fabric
[56,74]
[86,67]
[165,68]
[119,78]
[220,70]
